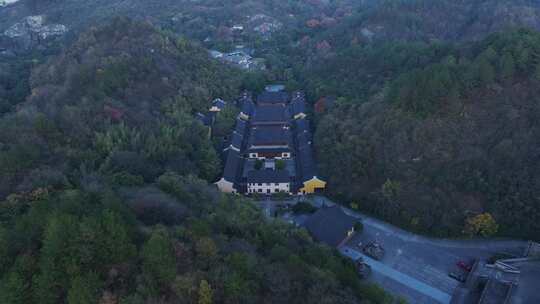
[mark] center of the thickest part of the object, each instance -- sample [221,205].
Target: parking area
[420,266]
[400,283]
[413,267]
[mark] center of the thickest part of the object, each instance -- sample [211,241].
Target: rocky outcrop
[33,30]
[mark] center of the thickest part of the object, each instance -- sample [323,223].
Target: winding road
[416,267]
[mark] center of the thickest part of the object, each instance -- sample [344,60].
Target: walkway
[434,293]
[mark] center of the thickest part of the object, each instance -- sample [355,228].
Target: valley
[321,151]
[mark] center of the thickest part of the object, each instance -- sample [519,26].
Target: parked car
[465,266]
[363,269]
[458,276]
[374,250]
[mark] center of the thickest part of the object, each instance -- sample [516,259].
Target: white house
[268,181]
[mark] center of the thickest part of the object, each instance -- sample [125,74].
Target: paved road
[416,267]
[514,246]
[432,294]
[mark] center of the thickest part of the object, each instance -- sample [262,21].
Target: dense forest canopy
[452,137]
[196,246]
[119,101]
[104,181]
[104,197]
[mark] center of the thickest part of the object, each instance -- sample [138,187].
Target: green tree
[53,279]
[205,293]
[508,66]
[280,164]
[225,121]
[15,286]
[281,196]
[358,227]
[206,250]
[159,261]
[486,72]
[185,286]
[85,289]
[258,164]
[391,189]
[118,243]
[4,249]
[537,72]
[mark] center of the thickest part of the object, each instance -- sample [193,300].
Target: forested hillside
[427,21]
[120,102]
[455,135]
[197,246]
[91,211]
[357,55]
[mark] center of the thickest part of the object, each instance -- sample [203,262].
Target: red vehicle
[464,265]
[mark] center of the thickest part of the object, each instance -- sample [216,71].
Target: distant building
[215,54]
[217,105]
[270,114]
[238,27]
[247,107]
[273,98]
[274,128]
[298,106]
[331,226]
[274,88]
[268,181]
[233,168]
[270,142]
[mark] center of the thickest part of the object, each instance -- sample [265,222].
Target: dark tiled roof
[270,150]
[271,113]
[233,166]
[303,140]
[330,225]
[237,140]
[302,126]
[298,106]
[268,176]
[241,126]
[305,164]
[248,107]
[273,98]
[298,103]
[270,135]
[219,103]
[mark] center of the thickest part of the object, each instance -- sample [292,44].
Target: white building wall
[225,186]
[284,155]
[269,188]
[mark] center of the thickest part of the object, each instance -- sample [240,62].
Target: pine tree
[117,243]
[537,72]
[85,289]
[4,250]
[205,293]
[15,288]
[52,280]
[159,262]
[486,72]
[508,66]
